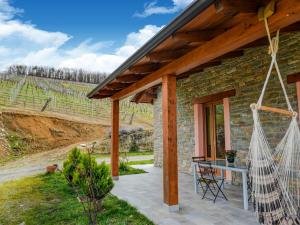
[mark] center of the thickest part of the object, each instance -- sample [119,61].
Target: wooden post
[115,140]
[170,170]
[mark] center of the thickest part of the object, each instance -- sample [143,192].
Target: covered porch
[144,191]
[203,36]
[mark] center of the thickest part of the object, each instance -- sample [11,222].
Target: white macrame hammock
[274,175]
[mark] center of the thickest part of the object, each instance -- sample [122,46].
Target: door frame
[212,124]
[199,124]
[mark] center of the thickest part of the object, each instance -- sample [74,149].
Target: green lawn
[128,170]
[141,162]
[49,200]
[105,155]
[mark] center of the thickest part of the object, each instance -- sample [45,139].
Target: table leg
[245,190]
[195,178]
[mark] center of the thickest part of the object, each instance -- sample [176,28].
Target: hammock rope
[274,178]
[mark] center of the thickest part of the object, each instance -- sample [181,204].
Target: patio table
[223,166]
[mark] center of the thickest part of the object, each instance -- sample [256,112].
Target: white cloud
[7,11]
[152,8]
[136,39]
[109,62]
[24,43]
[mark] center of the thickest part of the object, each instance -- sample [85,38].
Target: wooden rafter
[167,55]
[195,36]
[106,92]
[144,68]
[240,6]
[288,12]
[130,78]
[116,86]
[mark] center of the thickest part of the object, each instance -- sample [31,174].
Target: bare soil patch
[40,132]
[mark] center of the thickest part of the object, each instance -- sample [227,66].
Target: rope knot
[274,45]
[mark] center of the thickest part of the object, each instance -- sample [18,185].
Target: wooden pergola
[206,33]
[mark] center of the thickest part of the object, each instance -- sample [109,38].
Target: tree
[91,180]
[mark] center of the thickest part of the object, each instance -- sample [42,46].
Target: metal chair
[198,158]
[209,181]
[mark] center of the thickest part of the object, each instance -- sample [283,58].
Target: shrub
[123,167]
[71,164]
[133,146]
[16,143]
[85,174]
[93,179]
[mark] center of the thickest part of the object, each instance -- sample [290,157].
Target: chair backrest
[206,170]
[198,158]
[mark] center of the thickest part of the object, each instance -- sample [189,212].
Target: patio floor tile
[144,191]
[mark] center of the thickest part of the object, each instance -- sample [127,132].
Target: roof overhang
[206,33]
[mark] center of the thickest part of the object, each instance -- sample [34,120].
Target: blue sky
[90,34]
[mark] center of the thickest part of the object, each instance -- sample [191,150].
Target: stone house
[201,72]
[245,75]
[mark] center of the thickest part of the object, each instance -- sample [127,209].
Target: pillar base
[172,208]
[115,178]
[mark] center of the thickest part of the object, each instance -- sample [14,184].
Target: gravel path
[35,164]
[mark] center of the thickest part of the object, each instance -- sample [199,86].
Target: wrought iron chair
[209,181]
[197,159]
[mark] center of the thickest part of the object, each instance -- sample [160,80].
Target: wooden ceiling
[213,21]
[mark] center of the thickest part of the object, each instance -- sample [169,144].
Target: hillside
[30,132]
[65,97]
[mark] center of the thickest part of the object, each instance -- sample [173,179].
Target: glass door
[214,130]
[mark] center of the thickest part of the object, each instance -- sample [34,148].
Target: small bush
[123,167]
[133,146]
[16,143]
[93,179]
[85,173]
[71,164]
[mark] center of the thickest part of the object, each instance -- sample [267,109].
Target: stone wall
[246,75]
[127,138]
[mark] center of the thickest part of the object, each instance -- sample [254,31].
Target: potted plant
[230,156]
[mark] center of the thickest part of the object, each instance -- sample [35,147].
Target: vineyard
[66,97]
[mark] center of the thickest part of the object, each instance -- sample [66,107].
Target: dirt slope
[42,132]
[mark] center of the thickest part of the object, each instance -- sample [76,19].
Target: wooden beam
[170,170]
[215,97]
[99,96]
[293,78]
[145,68]
[292,28]
[116,86]
[195,36]
[258,43]
[240,6]
[288,12]
[106,92]
[130,78]
[115,140]
[167,55]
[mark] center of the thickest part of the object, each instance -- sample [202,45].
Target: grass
[141,162]
[122,154]
[48,200]
[125,169]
